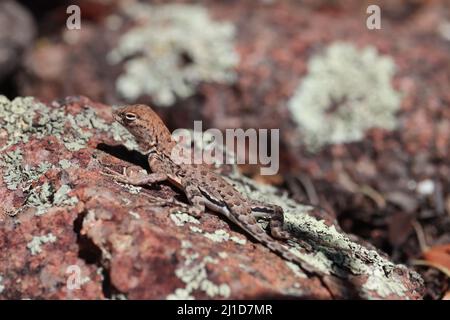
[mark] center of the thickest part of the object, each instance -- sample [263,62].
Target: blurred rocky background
[364,115]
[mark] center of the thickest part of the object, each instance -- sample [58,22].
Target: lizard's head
[129,116]
[144,124]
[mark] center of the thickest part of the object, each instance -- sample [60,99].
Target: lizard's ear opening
[130,116]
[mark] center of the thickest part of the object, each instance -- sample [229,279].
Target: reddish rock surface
[127,243]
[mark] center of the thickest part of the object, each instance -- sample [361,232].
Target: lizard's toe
[195,212]
[109,172]
[114,175]
[280,234]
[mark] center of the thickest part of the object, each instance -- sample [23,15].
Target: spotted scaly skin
[203,187]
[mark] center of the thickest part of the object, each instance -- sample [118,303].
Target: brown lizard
[203,187]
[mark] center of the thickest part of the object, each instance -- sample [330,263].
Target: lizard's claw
[110,172]
[135,176]
[280,234]
[195,212]
[116,176]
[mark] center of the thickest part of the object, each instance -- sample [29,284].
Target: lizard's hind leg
[274,214]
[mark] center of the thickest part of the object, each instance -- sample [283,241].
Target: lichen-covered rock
[67,231]
[172,49]
[346,92]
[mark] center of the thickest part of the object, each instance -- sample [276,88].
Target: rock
[68,232]
[17,30]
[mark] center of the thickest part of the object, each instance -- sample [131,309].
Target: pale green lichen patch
[44,197]
[346,92]
[377,283]
[82,126]
[120,134]
[35,244]
[61,197]
[173,48]
[219,235]
[130,188]
[40,197]
[16,118]
[64,164]
[16,174]
[82,136]
[296,269]
[318,260]
[222,235]
[331,251]
[194,275]
[22,118]
[195,229]
[181,218]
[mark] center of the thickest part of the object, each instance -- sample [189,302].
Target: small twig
[347,183]
[447,205]
[374,195]
[420,236]
[444,270]
[309,188]
[294,188]
[439,198]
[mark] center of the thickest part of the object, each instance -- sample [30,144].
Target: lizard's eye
[130,116]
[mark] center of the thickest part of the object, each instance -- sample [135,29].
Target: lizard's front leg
[275,214]
[135,176]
